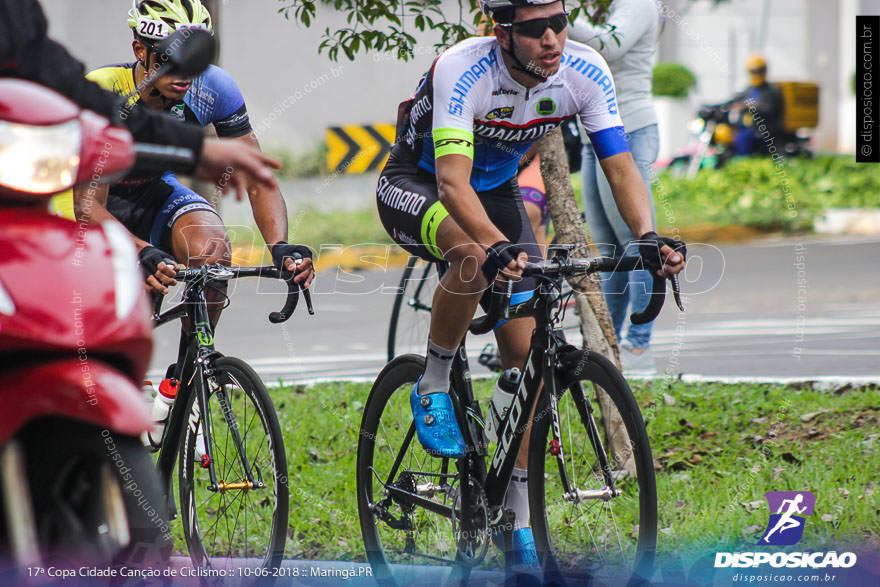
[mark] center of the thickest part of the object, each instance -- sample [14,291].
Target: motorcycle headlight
[39,159]
[7,306]
[696,125]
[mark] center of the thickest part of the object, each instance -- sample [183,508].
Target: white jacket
[636,24]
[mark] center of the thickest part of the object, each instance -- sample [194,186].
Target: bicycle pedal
[205,461]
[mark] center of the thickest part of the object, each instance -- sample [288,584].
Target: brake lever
[308,298]
[676,292]
[506,315]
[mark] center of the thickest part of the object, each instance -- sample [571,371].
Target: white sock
[518,498]
[437,367]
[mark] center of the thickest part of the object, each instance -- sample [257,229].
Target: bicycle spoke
[240,518]
[588,531]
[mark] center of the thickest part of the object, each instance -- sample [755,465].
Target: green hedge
[757,192]
[673,80]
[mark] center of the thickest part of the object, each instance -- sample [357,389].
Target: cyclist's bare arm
[461,201]
[248,165]
[90,207]
[634,202]
[270,214]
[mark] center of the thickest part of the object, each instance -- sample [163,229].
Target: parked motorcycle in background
[711,143]
[714,130]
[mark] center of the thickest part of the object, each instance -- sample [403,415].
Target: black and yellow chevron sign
[354,148]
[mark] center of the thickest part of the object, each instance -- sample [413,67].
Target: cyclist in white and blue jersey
[449,191]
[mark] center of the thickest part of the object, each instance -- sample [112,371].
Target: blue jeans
[613,237]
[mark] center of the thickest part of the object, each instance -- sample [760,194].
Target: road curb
[818,382]
[384,257]
[351,258]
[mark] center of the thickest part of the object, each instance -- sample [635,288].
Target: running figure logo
[788,511]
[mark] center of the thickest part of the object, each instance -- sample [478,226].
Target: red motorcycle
[76,484]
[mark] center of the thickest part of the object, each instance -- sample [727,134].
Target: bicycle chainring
[472,538]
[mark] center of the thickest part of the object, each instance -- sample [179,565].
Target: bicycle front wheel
[591,474]
[241,520]
[411,313]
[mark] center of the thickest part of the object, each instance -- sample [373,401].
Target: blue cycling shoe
[436,425]
[524,553]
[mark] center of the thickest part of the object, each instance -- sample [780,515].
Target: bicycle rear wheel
[236,523]
[599,496]
[411,313]
[403,492]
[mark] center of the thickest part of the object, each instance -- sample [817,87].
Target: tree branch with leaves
[382,26]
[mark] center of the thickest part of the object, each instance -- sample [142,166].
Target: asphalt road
[799,308]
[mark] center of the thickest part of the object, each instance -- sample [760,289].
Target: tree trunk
[213,7]
[596,325]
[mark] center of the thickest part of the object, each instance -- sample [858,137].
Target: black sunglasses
[535,27]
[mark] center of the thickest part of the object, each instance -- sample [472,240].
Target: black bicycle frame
[415,300]
[540,367]
[194,362]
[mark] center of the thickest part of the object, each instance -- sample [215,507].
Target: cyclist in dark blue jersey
[169,221]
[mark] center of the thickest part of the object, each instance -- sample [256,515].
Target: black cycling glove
[282,251]
[498,257]
[149,258]
[649,249]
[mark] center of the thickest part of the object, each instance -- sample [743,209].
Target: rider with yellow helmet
[764,108]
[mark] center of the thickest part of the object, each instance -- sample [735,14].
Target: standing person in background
[627,41]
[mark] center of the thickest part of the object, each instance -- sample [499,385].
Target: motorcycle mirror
[188,52]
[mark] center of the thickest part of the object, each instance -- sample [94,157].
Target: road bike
[224,433]
[591,485]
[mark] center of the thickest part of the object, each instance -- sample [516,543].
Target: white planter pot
[673,115]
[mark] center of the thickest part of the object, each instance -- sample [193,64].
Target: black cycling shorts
[150,211]
[411,211]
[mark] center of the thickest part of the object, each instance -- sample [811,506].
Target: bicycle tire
[386,422]
[408,326]
[568,538]
[200,512]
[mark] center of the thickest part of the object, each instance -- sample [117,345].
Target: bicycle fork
[572,493]
[207,383]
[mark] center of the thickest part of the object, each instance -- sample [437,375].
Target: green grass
[314,228]
[717,450]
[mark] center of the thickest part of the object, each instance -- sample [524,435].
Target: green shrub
[673,80]
[305,163]
[757,192]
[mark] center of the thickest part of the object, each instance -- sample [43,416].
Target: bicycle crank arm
[579,495]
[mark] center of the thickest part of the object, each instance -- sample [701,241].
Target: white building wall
[275,62]
[714,42]
[293,93]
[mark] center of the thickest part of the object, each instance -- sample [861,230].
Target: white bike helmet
[489,7]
